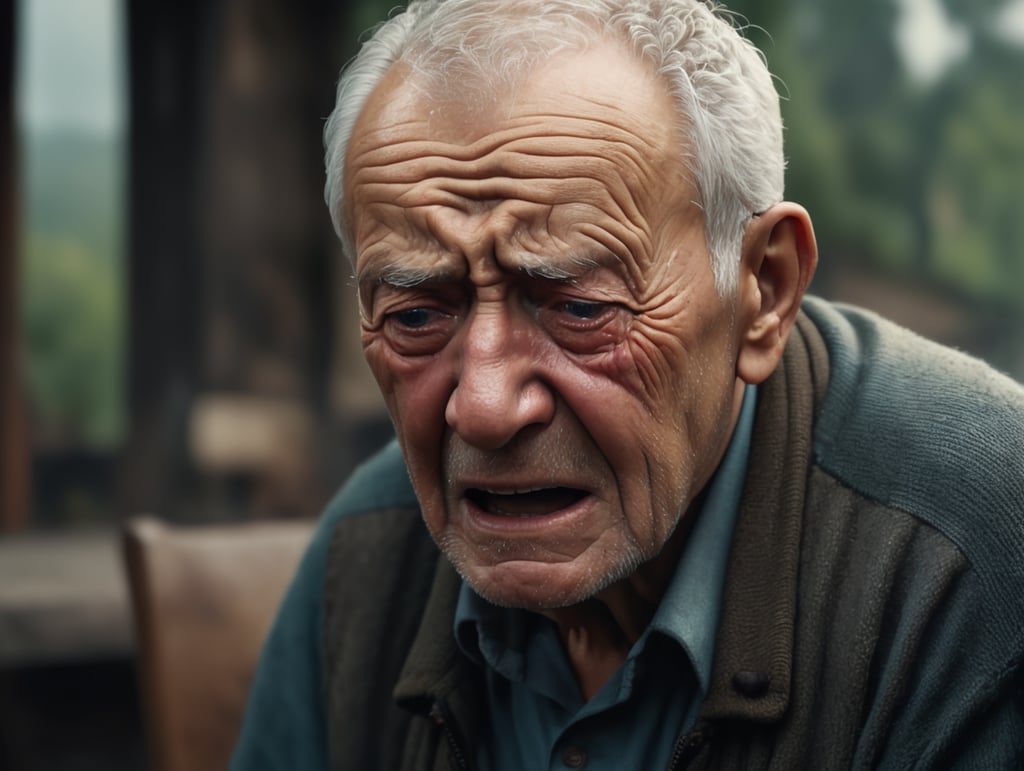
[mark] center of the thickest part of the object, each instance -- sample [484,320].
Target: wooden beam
[14,453]
[167,57]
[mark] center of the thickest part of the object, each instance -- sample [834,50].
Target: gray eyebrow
[576,266]
[403,276]
[533,265]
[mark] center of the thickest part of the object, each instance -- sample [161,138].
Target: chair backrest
[203,600]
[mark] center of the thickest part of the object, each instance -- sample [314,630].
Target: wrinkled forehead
[602,91]
[579,161]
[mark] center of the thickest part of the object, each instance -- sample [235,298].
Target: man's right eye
[414,318]
[418,330]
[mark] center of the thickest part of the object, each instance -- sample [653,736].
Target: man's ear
[779,258]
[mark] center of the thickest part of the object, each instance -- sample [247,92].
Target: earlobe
[779,258]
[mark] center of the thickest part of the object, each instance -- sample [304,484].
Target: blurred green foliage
[920,179]
[72,302]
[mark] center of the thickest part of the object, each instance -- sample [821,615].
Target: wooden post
[167,55]
[14,453]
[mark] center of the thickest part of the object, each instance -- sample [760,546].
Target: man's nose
[498,392]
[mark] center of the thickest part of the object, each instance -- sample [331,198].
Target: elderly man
[675,514]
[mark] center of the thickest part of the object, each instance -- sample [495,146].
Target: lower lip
[527,525]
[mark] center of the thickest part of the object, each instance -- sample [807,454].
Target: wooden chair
[203,599]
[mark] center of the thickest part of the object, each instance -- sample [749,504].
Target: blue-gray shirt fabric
[536,712]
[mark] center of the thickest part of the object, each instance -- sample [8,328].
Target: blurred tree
[72,306]
[976,196]
[73,330]
[917,177]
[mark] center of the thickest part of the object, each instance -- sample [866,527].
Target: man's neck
[597,634]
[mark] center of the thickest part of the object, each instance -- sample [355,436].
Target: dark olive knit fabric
[874,606]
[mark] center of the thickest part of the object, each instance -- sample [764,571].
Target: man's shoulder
[373,527]
[374,509]
[351,564]
[921,428]
[381,483]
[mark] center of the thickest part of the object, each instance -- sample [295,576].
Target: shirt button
[751,684]
[574,757]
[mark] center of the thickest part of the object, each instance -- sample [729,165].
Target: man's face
[539,310]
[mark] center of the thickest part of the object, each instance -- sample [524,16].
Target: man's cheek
[417,398]
[391,370]
[393,385]
[373,352]
[649,365]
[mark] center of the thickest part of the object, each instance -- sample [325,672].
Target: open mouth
[530,503]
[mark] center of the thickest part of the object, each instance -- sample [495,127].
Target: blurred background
[177,324]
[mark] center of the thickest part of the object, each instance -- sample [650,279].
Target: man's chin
[533,585]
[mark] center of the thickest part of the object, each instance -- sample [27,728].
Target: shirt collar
[691,608]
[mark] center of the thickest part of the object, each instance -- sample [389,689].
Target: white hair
[728,106]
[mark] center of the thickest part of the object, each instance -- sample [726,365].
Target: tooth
[519,491]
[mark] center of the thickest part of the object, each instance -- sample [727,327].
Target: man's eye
[583,326]
[582,310]
[414,318]
[418,331]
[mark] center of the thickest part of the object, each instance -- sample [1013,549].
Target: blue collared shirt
[537,717]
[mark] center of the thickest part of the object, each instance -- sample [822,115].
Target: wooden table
[63,597]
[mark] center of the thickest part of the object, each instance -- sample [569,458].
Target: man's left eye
[582,309]
[583,326]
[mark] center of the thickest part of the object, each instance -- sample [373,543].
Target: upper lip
[518,490]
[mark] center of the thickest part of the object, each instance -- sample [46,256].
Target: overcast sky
[71,74]
[70,64]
